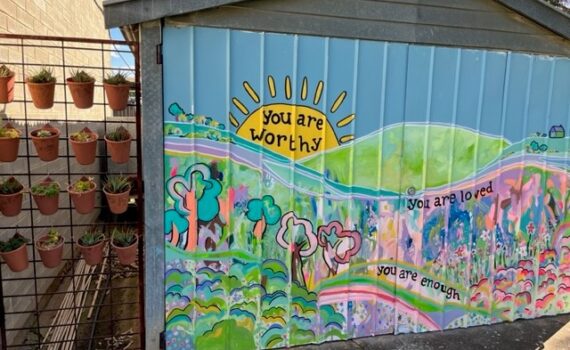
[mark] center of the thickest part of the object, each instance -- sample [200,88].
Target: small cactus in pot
[9,143]
[82,194]
[50,247]
[91,245]
[84,145]
[41,85]
[46,196]
[7,80]
[117,89]
[119,145]
[117,189]
[14,252]
[124,242]
[81,86]
[11,195]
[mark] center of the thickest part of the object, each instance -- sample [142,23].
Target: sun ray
[233,120]
[251,92]
[338,102]
[240,106]
[304,89]
[287,87]
[346,138]
[318,93]
[346,120]
[271,85]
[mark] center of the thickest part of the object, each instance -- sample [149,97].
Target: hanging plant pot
[81,86]
[124,242]
[15,253]
[84,145]
[50,247]
[117,189]
[91,245]
[42,87]
[82,194]
[46,196]
[46,142]
[117,96]
[7,79]
[9,143]
[119,145]
[11,194]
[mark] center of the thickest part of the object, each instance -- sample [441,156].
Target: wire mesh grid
[73,305]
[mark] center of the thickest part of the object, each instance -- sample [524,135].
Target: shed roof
[124,12]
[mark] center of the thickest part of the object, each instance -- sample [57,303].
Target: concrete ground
[550,333]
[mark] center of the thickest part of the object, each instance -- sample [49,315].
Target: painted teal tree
[263,212]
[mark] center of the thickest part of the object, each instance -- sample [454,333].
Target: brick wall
[68,18]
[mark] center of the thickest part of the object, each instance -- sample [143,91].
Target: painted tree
[263,212]
[339,245]
[297,235]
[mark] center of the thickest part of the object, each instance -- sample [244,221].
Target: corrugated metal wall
[321,188]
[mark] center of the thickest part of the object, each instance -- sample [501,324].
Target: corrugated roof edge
[542,13]
[119,13]
[125,12]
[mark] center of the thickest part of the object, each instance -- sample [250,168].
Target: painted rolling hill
[402,156]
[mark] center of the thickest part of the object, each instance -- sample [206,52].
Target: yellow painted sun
[293,130]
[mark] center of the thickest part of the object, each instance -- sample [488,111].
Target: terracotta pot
[17,259]
[85,152]
[11,204]
[82,93]
[42,94]
[9,149]
[117,96]
[46,147]
[126,255]
[119,150]
[51,257]
[84,202]
[7,88]
[47,205]
[118,202]
[92,254]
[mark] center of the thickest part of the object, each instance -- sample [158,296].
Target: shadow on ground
[547,333]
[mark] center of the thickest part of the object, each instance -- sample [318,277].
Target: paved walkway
[550,333]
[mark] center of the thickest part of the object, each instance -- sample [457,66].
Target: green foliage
[47,189]
[117,184]
[83,185]
[5,71]
[13,243]
[42,76]
[81,76]
[264,207]
[82,136]
[43,133]
[119,134]
[118,78]
[53,239]
[10,186]
[223,332]
[9,132]
[91,237]
[124,236]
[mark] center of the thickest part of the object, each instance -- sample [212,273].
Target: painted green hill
[415,155]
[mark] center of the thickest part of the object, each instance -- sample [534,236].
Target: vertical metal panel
[418,197]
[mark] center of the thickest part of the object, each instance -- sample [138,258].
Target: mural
[307,204]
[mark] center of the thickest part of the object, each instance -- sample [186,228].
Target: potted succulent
[117,89]
[9,143]
[7,79]
[84,144]
[82,194]
[50,247]
[11,197]
[117,189]
[15,253]
[81,86]
[119,144]
[124,243]
[91,246]
[42,87]
[46,142]
[46,196]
